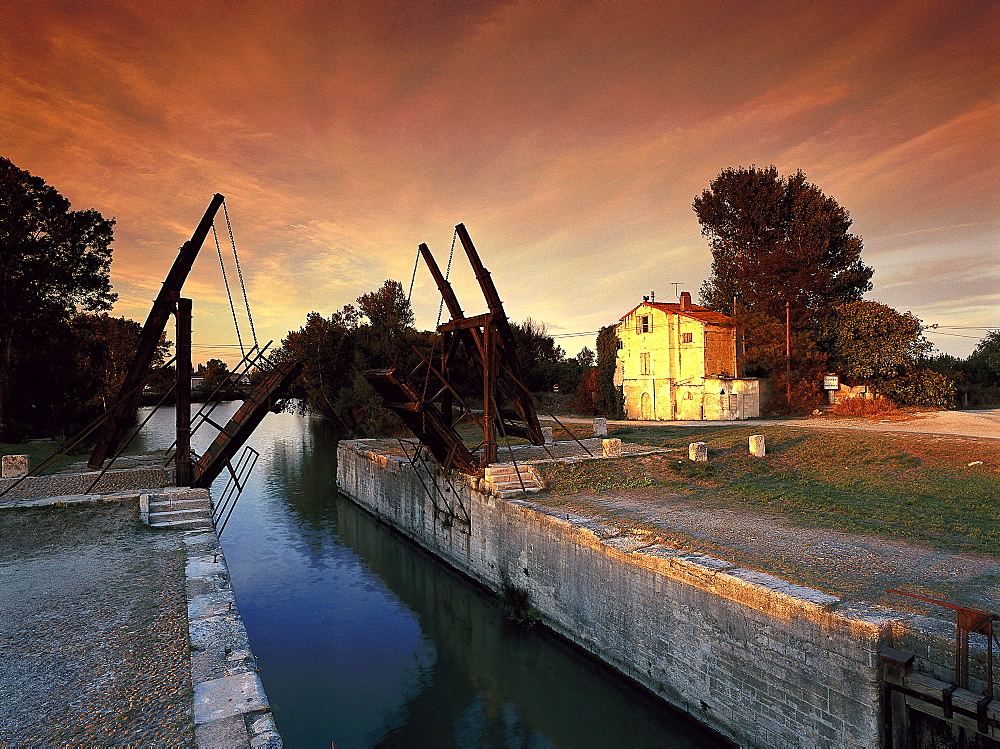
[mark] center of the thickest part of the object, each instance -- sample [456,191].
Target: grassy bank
[905,486]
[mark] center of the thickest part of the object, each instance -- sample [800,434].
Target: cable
[229,294]
[239,272]
[447,273]
[413,278]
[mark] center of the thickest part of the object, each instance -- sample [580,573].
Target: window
[643,323]
[644,364]
[687,337]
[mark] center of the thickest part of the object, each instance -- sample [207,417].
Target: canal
[364,640]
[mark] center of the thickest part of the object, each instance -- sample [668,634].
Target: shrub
[920,387]
[858,406]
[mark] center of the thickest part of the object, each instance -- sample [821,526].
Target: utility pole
[788,353]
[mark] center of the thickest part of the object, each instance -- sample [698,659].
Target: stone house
[679,361]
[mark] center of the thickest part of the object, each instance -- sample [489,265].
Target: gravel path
[852,566]
[984,423]
[93,629]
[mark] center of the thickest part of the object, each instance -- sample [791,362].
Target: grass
[472,433]
[38,452]
[910,487]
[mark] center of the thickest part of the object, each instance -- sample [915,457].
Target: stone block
[698,452]
[547,435]
[757,448]
[15,466]
[612,448]
[600,427]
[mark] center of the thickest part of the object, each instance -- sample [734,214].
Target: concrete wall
[765,662]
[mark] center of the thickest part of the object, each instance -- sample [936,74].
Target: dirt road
[985,423]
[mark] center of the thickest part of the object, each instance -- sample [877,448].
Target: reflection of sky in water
[364,640]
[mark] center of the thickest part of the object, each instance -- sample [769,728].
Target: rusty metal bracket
[967,621]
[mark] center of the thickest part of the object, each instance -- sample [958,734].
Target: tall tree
[610,399]
[776,240]
[53,261]
[104,347]
[779,241]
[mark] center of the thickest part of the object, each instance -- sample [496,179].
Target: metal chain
[239,272]
[447,273]
[225,280]
[416,262]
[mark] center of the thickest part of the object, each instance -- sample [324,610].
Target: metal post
[183,459]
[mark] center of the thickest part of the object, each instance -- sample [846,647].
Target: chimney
[685,300]
[652,296]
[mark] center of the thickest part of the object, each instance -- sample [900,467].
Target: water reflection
[365,640]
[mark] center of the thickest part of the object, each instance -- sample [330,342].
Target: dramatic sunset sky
[569,137]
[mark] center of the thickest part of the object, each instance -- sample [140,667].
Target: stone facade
[764,662]
[679,361]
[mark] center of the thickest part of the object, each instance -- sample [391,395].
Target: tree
[215,373]
[983,365]
[586,357]
[778,240]
[336,351]
[53,261]
[872,342]
[104,347]
[610,398]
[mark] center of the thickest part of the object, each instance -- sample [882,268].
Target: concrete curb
[230,706]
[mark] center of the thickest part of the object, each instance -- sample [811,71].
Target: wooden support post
[788,352]
[121,411]
[896,729]
[489,395]
[447,412]
[183,456]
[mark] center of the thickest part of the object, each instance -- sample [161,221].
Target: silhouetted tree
[53,262]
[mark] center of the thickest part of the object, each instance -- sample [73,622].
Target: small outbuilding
[679,361]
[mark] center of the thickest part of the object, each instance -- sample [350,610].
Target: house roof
[694,311]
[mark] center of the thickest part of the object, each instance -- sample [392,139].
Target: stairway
[189,509]
[507,480]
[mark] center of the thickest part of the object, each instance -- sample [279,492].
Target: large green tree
[336,351]
[872,342]
[779,240]
[53,262]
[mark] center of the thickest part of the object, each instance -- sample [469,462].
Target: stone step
[190,524]
[508,493]
[499,469]
[527,481]
[166,516]
[158,505]
[526,473]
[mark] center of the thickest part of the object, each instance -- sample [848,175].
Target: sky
[569,137]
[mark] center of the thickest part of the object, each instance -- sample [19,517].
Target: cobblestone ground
[93,629]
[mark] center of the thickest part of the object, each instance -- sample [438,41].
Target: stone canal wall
[765,662]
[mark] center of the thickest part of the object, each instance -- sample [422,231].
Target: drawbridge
[428,398]
[271,379]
